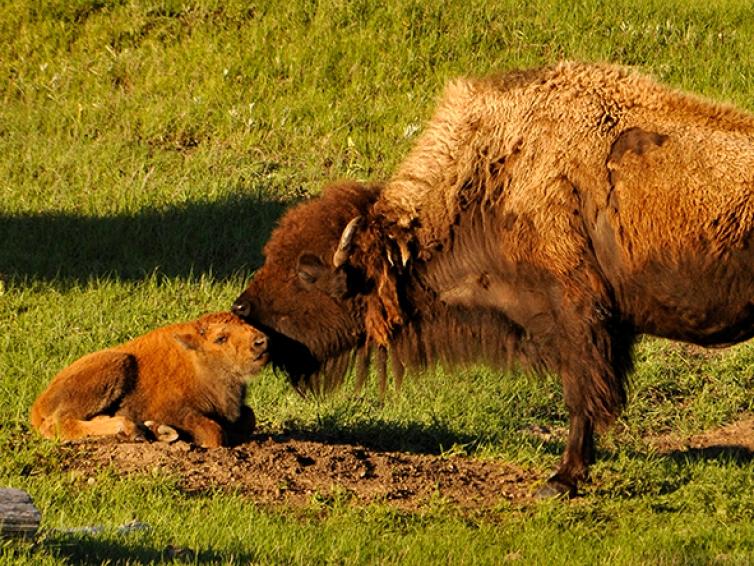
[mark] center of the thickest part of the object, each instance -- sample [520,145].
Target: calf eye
[222,339]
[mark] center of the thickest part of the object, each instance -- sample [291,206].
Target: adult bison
[544,218]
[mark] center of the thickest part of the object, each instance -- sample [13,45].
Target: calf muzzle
[260,345]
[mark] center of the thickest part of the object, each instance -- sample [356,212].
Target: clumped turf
[146,151]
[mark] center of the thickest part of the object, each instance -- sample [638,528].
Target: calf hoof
[167,434]
[556,488]
[162,432]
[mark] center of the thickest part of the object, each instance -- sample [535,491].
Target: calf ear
[188,341]
[310,268]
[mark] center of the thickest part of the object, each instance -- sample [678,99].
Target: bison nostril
[241,308]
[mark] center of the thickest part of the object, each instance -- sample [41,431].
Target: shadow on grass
[726,452]
[411,437]
[94,550]
[219,237]
[438,438]
[678,471]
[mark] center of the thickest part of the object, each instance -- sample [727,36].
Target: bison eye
[310,268]
[306,277]
[222,339]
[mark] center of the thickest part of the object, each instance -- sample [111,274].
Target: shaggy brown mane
[412,329]
[450,337]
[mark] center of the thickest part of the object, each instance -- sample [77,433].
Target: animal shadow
[86,549]
[412,437]
[218,237]
[725,452]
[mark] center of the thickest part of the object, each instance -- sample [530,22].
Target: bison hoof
[139,436]
[554,488]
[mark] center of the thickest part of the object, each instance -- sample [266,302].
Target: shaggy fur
[190,376]
[543,218]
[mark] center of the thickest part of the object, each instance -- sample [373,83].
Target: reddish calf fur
[190,376]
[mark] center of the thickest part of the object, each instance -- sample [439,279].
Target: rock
[18,515]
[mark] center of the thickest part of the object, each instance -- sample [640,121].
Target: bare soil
[737,437]
[298,470]
[286,470]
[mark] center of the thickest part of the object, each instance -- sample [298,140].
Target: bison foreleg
[593,375]
[205,431]
[578,455]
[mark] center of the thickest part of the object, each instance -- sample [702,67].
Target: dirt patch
[736,438]
[282,469]
[300,470]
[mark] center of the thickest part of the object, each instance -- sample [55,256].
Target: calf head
[224,344]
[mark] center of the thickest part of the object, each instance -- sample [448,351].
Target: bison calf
[190,376]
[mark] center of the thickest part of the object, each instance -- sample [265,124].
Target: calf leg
[240,430]
[162,432]
[89,387]
[205,431]
[71,428]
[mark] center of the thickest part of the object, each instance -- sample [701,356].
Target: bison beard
[543,220]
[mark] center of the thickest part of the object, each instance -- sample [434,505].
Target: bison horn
[346,239]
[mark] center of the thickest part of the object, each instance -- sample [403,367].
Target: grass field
[146,151]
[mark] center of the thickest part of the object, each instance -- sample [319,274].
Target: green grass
[146,151]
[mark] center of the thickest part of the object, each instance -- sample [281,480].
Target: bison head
[311,296]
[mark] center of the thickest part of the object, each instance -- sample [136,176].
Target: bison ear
[310,268]
[313,272]
[188,341]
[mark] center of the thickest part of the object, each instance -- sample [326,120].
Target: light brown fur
[635,199]
[587,160]
[190,376]
[559,124]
